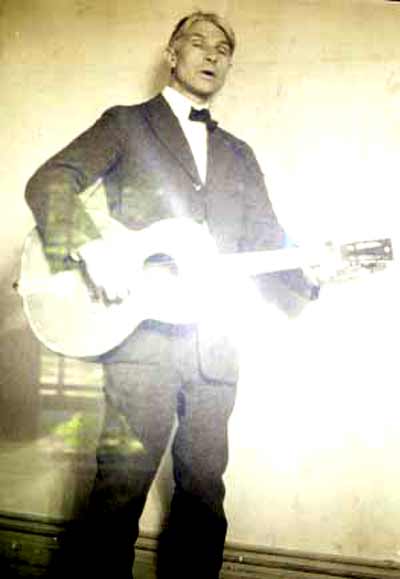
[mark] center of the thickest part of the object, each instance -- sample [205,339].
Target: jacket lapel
[168,130]
[216,159]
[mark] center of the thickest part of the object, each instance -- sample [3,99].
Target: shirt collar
[179,103]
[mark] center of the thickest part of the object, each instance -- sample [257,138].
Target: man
[157,160]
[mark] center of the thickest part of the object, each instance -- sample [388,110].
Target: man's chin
[205,92]
[201,91]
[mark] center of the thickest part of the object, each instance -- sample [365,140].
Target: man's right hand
[108,267]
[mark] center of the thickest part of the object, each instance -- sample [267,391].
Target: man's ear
[170,57]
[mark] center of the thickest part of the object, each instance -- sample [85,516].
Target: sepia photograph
[199,284]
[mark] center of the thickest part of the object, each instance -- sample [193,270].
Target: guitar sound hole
[161,260]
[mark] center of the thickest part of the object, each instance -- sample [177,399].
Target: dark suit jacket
[146,164]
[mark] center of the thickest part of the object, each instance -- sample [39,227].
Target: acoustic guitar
[176,272]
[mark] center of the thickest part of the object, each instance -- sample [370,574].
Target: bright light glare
[325,381]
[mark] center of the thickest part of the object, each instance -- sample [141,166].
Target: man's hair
[185,23]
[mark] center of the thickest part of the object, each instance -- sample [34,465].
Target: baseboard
[29,544]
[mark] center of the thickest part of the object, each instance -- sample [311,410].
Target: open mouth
[208,73]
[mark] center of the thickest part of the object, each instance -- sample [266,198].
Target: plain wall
[315,89]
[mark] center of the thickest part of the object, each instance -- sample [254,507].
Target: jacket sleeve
[262,230]
[53,191]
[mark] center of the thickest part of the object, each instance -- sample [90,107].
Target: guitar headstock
[369,256]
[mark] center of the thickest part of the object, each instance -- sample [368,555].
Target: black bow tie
[203,116]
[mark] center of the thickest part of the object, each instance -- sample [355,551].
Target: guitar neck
[257,262]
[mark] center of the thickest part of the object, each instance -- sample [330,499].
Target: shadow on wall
[159,76]
[19,363]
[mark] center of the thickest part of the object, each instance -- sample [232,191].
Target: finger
[116,290]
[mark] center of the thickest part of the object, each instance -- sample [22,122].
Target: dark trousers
[142,400]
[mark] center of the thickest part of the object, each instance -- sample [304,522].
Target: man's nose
[211,55]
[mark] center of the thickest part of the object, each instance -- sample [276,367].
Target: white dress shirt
[195,132]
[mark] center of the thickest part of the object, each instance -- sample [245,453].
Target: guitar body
[64,315]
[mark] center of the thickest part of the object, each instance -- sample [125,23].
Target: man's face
[200,60]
